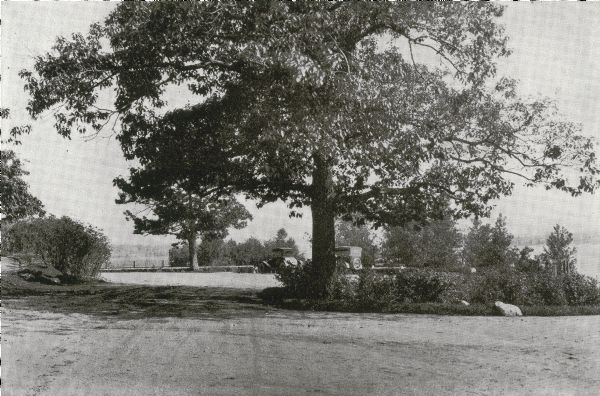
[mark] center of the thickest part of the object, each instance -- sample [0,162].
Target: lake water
[588,259]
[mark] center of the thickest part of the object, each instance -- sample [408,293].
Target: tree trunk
[323,222]
[193,257]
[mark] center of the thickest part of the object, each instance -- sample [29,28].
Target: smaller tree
[558,255]
[527,263]
[189,217]
[211,251]
[250,252]
[432,245]
[487,246]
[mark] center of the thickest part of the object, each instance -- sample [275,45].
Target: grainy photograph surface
[289,198]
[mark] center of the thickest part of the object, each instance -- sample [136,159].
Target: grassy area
[276,296]
[132,301]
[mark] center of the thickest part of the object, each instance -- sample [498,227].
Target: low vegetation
[217,252]
[415,290]
[75,250]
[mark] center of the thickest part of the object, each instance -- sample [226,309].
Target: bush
[421,286]
[538,288]
[375,291]
[506,286]
[296,280]
[580,289]
[76,250]
[545,289]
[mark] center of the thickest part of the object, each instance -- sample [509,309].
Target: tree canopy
[178,180]
[559,255]
[435,244]
[489,246]
[15,199]
[16,202]
[316,109]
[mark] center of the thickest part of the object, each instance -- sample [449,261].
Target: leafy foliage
[416,286]
[178,179]
[15,131]
[16,202]
[216,251]
[76,250]
[297,280]
[580,289]
[432,245]
[558,256]
[540,288]
[487,246]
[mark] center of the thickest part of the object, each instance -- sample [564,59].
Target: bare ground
[108,339]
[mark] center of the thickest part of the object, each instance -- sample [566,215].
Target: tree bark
[323,227]
[193,257]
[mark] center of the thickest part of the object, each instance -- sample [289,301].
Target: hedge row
[375,291]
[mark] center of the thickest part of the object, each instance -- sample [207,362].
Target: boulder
[508,309]
[47,276]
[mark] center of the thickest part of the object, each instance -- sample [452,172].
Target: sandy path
[298,353]
[217,279]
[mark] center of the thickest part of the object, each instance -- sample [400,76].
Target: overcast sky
[556,53]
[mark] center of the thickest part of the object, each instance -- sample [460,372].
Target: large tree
[319,111]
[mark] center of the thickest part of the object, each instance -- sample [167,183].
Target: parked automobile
[349,257]
[284,257]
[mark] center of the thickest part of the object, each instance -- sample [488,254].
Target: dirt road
[196,279]
[281,353]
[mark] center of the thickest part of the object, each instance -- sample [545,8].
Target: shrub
[545,289]
[580,289]
[342,287]
[76,250]
[421,286]
[506,286]
[374,290]
[538,288]
[296,280]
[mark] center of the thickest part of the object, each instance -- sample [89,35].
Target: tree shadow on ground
[132,301]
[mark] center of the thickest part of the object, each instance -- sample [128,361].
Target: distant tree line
[437,245]
[440,245]
[218,251]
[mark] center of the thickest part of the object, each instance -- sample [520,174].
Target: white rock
[508,309]
[473,270]
[463,302]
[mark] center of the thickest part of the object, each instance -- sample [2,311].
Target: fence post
[133,263]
